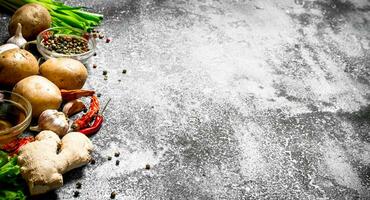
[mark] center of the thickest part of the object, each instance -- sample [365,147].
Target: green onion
[61,14]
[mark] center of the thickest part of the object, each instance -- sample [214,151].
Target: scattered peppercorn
[105,72]
[76,194]
[95,66]
[109,157]
[147,166]
[105,78]
[113,195]
[98,95]
[78,185]
[93,161]
[124,71]
[119,80]
[117,162]
[101,36]
[116,154]
[95,54]
[107,40]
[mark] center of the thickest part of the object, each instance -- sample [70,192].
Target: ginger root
[41,164]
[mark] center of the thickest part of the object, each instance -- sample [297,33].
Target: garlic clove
[73,107]
[54,121]
[18,38]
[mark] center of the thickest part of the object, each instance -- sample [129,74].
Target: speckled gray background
[237,99]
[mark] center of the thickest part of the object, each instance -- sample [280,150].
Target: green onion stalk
[61,14]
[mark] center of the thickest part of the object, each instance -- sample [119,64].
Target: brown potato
[66,73]
[15,65]
[41,93]
[34,19]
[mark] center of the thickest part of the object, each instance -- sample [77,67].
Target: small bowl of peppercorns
[64,42]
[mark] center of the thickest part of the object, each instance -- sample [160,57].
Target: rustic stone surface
[230,100]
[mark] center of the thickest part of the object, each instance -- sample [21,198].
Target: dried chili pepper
[69,95]
[14,146]
[98,122]
[84,121]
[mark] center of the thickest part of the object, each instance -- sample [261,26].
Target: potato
[41,93]
[16,64]
[34,19]
[66,73]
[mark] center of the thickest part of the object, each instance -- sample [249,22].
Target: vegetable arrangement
[54,90]
[61,15]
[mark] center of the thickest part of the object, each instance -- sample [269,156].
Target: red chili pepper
[69,95]
[84,121]
[95,126]
[14,146]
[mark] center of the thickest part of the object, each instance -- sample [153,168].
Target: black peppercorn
[113,195]
[76,194]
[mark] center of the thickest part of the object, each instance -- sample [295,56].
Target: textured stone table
[230,99]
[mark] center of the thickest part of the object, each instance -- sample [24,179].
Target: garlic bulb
[54,121]
[18,39]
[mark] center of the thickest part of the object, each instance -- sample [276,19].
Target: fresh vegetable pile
[61,15]
[54,90]
[11,184]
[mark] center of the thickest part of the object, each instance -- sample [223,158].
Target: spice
[116,154]
[73,107]
[65,44]
[98,122]
[147,166]
[107,40]
[94,54]
[124,71]
[68,95]
[84,121]
[18,39]
[95,66]
[76,194]
[105,72]
[109,157]
[113,195]
[105,78]
[99,94]
[14,146]
[92,161]
[52,120]
[78,185]
[117,162]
